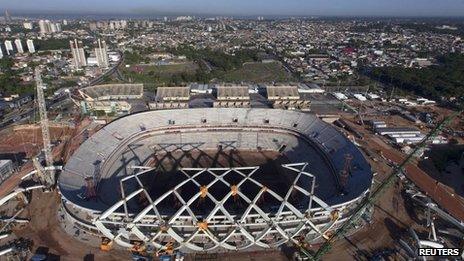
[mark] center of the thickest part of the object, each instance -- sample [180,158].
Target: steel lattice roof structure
[206,235]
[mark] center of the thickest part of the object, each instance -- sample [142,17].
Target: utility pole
[48,178]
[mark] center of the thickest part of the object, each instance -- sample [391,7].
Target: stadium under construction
[214,179]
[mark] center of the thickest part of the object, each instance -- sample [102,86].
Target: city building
[47,27]
[171,98]
[19,46]
[30,45]
[397,131]
[78,54]
[28,25]
[110,98]
[101,52]
[9,47]
[7,16]
[286,97]
[92,61]
[55,27]
[236,96]
[44,26]
[6,169]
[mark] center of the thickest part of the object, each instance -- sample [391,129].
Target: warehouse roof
[282,93]
[172,93]
[396,129]
[235,92]
[113,91]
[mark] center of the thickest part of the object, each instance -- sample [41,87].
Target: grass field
[164,70]
[175,74]
[258,72]
[160,75]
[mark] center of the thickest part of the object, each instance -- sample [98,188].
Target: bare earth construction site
[214,180]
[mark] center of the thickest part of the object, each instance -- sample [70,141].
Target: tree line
[445,79]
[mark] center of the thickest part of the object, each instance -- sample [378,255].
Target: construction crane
[325,247]
[46,176]
[106,244]
[345,172]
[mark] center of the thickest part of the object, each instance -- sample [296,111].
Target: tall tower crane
[345,172]
[46,176]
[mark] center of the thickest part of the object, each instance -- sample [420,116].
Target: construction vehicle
[139,251]
[166,253]
[168,250]
[106,244]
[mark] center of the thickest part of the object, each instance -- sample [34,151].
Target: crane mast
[49,177]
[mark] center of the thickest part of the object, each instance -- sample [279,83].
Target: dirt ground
[49,237]
[28,138]
[391,220]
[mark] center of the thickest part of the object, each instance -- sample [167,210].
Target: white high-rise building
[47,27]
[9,47]
[53,28]
[44,26]
[123,24]
[77,49]
[7,16]
[30,45]
[28,25]
[19,46]
[101,52]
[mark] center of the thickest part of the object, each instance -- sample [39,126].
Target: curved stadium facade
[214,179]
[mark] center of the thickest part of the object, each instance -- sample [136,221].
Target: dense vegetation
[445,79]
[10,83]
[442,156]
[258,72]
[432,28]
[218,59]
[51,44]
[135,58]
[169,75]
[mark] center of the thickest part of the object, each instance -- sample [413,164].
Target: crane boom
[325,247]
[50,178]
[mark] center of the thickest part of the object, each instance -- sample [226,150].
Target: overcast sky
[247,7]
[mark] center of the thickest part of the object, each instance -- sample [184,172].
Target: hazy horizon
[365,8]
